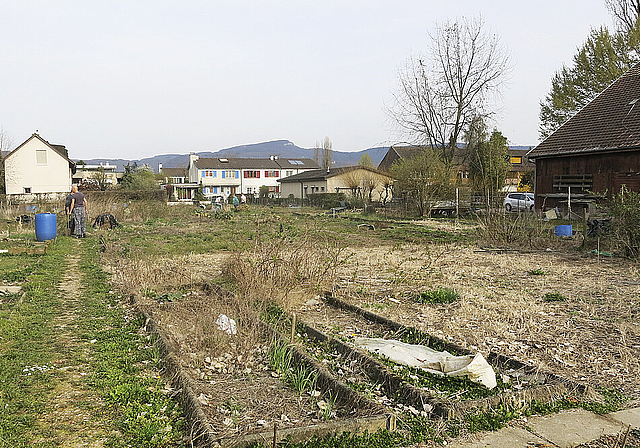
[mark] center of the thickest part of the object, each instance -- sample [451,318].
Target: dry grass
[593,336]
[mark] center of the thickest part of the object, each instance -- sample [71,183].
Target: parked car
[519,201]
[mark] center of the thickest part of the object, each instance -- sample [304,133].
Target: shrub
[625,210]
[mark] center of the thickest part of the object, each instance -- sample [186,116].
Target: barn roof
[610,122]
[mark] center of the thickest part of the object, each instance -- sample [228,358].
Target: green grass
[122,364]
[437,296]
[554,297]
[27,348]
[538,272]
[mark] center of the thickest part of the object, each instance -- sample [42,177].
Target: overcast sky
[130,79]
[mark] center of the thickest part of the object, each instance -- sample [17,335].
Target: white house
[224,176]
[102,172]
[38,167]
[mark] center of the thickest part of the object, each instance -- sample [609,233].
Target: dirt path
[74,417]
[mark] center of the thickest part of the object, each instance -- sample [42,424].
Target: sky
[132,79]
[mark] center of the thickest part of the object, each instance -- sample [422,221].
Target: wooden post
[293,328]
[275,432]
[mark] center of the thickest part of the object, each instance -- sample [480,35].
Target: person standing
[218,204]
[243,199]
[67,212]
[236,202]
[80,211]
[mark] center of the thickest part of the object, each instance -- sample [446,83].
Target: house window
[230,174]
[289,173]
[252,174]
[516,160]
[274,189]
[268,173]
[41,156]
[27,190]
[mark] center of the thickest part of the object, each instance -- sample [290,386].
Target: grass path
[75,414]
[76,367]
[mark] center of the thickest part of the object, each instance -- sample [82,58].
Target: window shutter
[258,174]
[237,174]
[277,173]
[223,174]
[245,174]
[202,173]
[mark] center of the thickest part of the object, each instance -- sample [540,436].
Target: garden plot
[590,335]
[427,393]
[246,385]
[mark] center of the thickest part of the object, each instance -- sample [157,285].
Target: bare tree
[6,144]
[327,154]
[316,153]
[625,13]
[440,93]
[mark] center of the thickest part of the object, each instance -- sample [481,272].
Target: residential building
[353,180]
[519,163]
[224,176]
[38,167]
[176,182]
[103,172]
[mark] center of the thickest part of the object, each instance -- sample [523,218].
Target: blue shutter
[215,190]
[237,174]
[223,173]
[215,173]
[202,173]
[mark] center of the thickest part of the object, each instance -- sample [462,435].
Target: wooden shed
[595,151]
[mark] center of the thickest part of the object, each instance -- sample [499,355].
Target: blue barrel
[46,226]
[561,230]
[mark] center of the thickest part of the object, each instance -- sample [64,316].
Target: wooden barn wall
[609,171]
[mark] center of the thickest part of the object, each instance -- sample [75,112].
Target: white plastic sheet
[226,324]
[474,367]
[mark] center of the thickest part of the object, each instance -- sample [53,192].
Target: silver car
[519,201]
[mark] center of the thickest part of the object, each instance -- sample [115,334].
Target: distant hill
[280,148]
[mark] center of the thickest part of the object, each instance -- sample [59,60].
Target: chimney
[192,158]
[159,167]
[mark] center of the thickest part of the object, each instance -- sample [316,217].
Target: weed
[491,420]
[328,405]
[17,275]
[438,296]
[280,358]
[538,272]
[303,380]
[554,297]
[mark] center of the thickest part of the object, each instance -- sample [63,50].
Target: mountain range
[280,148]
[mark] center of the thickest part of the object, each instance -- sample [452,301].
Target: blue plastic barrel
[566,230]
[46,226]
